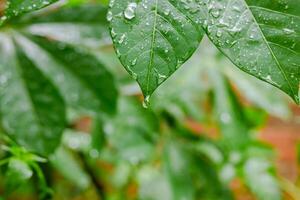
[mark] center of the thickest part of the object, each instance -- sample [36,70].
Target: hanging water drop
[146,102]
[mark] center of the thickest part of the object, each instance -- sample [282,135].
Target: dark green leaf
[81,78]
[260,37]
[31,108]
[152,39]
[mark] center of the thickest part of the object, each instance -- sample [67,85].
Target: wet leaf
[260,37]
[152,39]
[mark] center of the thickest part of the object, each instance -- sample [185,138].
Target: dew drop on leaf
[129,12]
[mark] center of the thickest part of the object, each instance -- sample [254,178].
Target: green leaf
[68,166]
[228,112]
[260,180]
[153,184]
[18,7]
[92,89]
[17,174]
[261,37]
[31,108]
[82,79]
[97,134]
[152,39]
[260,94]
[177,168]
[141,126]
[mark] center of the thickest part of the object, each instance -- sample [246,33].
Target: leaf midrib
[153,40]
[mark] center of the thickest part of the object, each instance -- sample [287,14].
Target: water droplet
[225,118]
[109,16]
[129,12]
[288,31]
[133,62]
[121,40]
[146,102]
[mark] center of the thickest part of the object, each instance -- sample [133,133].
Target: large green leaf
[261,37]
[17,7]
[152,38]
[91,89]
[81,78]
[31,109]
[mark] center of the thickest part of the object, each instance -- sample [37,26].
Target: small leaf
[152,39]
[31,108]
[17,174]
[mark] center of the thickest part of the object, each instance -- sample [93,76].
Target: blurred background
[211,131]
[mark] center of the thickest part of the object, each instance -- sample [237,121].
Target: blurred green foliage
[197,137]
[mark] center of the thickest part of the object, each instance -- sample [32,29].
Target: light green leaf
[137,144]
[261,37]
[68,166]
[152,39]
[260,180]
[17,174]
[79,25]
[260,94]
[176,162]
[228,112]
[31,108]
[18,7]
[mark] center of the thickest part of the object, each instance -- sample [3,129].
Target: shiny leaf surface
[152,39]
